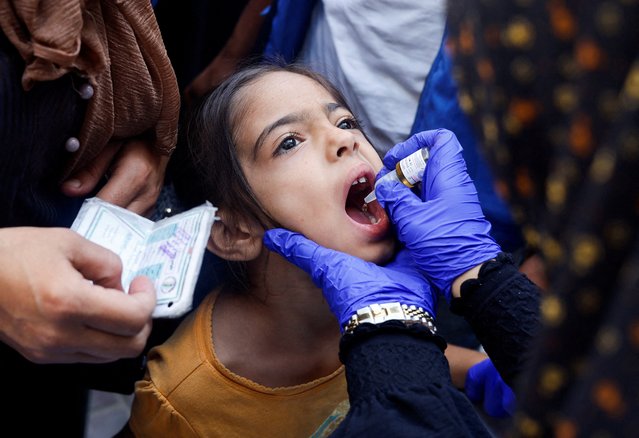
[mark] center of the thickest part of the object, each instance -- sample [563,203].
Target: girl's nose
[341,142]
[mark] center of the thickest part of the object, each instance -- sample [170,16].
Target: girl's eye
[287,144]
[348,124]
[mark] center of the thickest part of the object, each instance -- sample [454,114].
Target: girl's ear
[235,238]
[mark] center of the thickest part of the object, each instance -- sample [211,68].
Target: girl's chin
[387,252]
[379,252]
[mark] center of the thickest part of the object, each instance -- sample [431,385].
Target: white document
[169,251]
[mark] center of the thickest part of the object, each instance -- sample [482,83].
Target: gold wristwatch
[378,313]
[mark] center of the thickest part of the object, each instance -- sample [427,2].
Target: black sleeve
[399,385]
[502,307]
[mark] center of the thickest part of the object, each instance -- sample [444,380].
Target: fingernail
[73,183]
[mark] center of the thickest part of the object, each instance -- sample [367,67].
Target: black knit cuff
[492,276]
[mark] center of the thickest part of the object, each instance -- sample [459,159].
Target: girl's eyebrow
[332,107]
[287,120]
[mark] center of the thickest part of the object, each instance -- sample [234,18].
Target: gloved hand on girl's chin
[350,283]
[444,229]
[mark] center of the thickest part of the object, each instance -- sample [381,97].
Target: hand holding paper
[169,251]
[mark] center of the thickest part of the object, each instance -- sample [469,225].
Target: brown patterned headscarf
[117,47]
[553,87]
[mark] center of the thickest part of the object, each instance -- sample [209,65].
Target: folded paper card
[168,251]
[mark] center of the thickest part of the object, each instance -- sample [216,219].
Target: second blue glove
[484,385]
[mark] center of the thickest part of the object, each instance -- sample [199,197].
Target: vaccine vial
[409,171]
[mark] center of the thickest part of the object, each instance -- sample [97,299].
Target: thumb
[294,247]
[143,291]
[398,200]
[95,262]
[392,192]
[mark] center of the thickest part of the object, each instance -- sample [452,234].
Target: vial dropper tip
[370,197]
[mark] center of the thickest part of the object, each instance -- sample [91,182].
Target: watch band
[378,313]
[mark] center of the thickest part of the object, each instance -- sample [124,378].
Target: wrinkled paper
[168,251]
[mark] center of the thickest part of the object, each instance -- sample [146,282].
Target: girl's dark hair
[211,143]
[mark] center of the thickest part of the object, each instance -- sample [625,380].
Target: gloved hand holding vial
[444,227]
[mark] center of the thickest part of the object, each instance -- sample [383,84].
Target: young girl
[275,147]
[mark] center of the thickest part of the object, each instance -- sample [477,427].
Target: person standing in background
[553,90]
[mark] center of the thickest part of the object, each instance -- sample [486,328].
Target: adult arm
[399,385]
[238,47]
[502,307]
[61,299]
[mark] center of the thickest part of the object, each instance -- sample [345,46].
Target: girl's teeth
[370,216]
[360,180]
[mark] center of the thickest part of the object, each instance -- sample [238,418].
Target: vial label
[413,167]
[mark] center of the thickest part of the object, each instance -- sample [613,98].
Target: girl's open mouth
[357,209]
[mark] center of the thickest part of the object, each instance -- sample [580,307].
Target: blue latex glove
[445,230]
[350,283]
[485,385]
